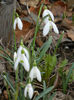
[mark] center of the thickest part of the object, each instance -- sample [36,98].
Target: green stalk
[16,84]
[14,37]
[36,30]
[21,79]
[8,92]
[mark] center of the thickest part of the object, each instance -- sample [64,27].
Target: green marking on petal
[50,18]
[22,51]
[21,61]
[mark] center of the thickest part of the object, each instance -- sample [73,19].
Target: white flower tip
[39,78]
[57,31]
[28,68]
[55,27]
[15,67]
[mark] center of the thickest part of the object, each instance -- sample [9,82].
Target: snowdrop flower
[23,60]
[24,50]
[45,13]
[21,57]
[50,25]
[18,22]
[35,73]
[29,90]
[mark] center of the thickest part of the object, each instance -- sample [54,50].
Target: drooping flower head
[49,23]
[22,56]
[35,73]
[48,27]
[18,22]
[28,91]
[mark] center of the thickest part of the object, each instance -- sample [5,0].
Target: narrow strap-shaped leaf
[44,92]
[44,49]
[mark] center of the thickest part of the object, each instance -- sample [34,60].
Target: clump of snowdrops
[26,64]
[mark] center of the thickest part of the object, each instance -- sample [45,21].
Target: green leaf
[62,65]
[44,49]
[8,81]
[67,78]
[50,63]
[48,90]
[44,88]
[58,42]
[3,50]
[51,97]
[7,58]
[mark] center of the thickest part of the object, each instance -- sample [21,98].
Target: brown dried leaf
[19,33]
[58,8]
[32,3]
[39,42]
[70,34]
[5,95]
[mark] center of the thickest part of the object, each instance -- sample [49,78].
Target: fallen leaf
[39,42]
[70,34]
[19,33]
[58,8]
[32,3]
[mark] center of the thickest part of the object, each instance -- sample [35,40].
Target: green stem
[8,92]
[14,37]
[36,29]
[21,79]
[16,93]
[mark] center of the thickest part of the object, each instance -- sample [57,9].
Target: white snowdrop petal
[25,63]
[16,63]
[55,28]
[15,56]
[31,74]
[30,91]
[48,12]
[14,25]
[25,91]
[26,53]
[38,75]
[46,29]
[19,50]
[51,15]
[46,19]
[20,24]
